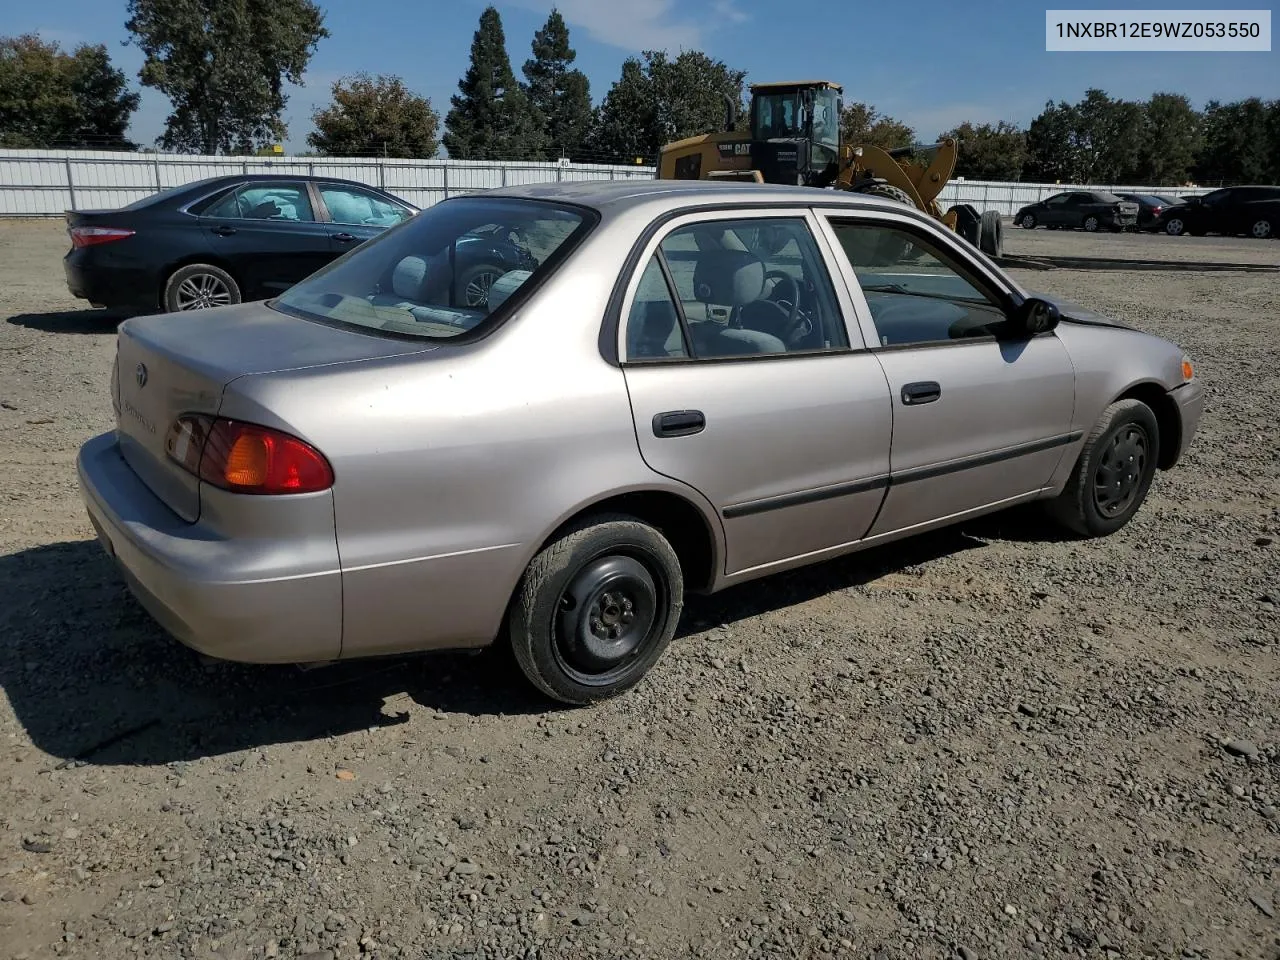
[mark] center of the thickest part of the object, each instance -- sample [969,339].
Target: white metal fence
[45,183]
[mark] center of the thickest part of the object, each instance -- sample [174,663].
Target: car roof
[613,197]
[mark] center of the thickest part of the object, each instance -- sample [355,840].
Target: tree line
[223,68]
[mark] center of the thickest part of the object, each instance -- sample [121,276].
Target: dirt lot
[984,743]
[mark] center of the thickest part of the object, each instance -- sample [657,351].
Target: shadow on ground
[92,678]
[71,321]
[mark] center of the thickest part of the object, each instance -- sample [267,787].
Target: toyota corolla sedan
[687,386]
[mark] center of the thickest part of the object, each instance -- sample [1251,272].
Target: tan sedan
[689,386]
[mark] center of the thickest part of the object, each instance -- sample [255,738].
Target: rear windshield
[446,271]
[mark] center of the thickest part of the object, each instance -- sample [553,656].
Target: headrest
[505,286]
[408,278]
[728,277]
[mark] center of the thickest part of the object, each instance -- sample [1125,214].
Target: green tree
[223,65]
[1241,142]
[49,98]
[1170,141]
[989,152]
[559,96]
[1105,138]
[490,117]
[375,115]
[1049,147]
[863,123]
[658,100]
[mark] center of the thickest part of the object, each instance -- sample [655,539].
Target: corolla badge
[140,374]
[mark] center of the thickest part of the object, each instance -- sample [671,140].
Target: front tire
[1263,229]
[1113,473]
[596,609]
[1028,221]
[199,286]
[1175,227]
[1091,224]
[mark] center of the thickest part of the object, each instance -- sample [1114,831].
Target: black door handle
[342,237]
[224,231]
[926,391]
[678,423]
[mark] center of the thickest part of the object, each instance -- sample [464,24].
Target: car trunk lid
[175,364]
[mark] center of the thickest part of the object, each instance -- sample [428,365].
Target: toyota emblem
[140,374]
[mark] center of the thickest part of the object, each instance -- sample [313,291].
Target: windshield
[443,272]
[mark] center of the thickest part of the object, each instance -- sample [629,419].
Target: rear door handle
[224,231]
[342,237]
[678,423]
[926,391]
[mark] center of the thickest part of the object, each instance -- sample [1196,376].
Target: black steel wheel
[1113,473]
[596,608]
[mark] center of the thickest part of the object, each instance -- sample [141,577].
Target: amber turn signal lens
[247,461]
[1187,371]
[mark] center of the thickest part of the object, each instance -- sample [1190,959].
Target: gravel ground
[984,743]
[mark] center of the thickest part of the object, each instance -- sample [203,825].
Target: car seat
[732,278]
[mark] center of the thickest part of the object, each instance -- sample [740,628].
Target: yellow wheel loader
[794,137]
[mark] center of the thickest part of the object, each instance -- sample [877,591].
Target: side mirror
[1036,316]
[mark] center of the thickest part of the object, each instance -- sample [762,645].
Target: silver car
[687,385]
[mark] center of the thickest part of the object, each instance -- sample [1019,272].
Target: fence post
[244,167]
[503,168]
[311,168]
[156,161]
[444,168]
[382,173]
[71,187]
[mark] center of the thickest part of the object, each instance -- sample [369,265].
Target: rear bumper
[109,285]
[240,599]
[1190,401]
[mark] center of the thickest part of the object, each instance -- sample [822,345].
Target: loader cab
[795,131]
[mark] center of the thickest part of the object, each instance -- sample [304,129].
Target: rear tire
[199,286]
[1175,227]
[1113,474]
[889,192]
[596,609]
[1028,221]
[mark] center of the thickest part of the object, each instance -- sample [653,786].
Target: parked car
[1087,209]
[362,466]
[1149,208]
[235,238]
[1169,201]
[1231,211]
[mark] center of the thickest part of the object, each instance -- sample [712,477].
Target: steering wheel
[789,304]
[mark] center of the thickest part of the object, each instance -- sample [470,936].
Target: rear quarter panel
[452,467]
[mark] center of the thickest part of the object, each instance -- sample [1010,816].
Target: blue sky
[930,64]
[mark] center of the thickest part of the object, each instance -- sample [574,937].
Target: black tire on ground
[1090,223]
[1111,478]
[1028,221]
[596,609]
[472,286]
[1264,229]
[991,234]
[1175,227]
[968,222]
[199,286]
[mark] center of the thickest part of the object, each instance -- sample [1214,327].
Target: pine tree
[490,117]
[559,97]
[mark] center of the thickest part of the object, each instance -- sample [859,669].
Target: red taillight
[91,236]
[247,458]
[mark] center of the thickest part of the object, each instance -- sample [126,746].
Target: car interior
[742,289]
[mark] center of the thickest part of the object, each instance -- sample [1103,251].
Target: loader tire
[991,234]
[888,191]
